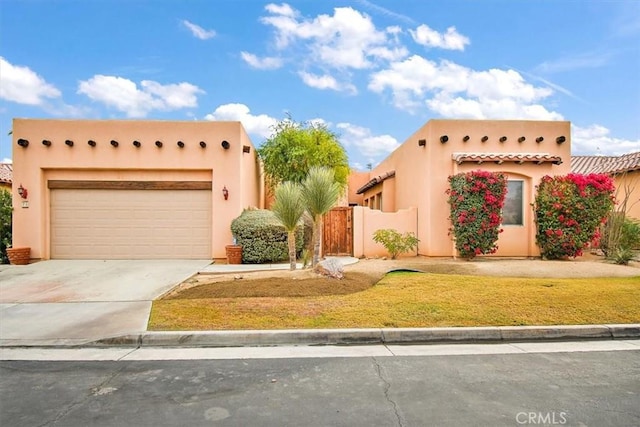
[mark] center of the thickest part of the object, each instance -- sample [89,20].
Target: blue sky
[374,72]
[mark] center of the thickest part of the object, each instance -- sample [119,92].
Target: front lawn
[414,300]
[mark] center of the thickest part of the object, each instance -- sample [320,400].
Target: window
[512,213]
[379,201]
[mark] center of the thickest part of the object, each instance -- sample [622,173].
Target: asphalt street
[489,386]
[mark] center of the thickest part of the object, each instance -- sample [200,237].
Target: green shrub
[630,236]
[394,242]
[262,237]
[622,256]
[6,210]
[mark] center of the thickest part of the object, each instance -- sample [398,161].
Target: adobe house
[124,189]
[412,180]
[625,171]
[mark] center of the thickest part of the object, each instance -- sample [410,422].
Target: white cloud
[387,12]
[595,139]
[21,85]
[264,63]
[428,37]
[452,90]
[198,31]
[282,9]
[6,160]
[371,146]
[260,125]
[326,81]
[124,95]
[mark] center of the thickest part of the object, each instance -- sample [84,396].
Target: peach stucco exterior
[415,175]
[236,168]
[628,186]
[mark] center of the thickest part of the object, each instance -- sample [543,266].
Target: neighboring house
[130,189]
[625,171]
[416,175]
[6,176]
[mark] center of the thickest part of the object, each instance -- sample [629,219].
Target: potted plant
[234,253]
[19,256]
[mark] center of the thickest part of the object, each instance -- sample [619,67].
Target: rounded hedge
[262,237]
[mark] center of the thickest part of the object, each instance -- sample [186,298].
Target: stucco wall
[629,184]
[366,221]
[37,163]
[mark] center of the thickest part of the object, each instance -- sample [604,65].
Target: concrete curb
[373,336]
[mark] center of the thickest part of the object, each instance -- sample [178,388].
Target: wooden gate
[337,238]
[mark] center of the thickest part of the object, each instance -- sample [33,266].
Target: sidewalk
[217,268]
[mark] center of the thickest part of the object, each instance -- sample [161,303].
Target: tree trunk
[291,240]
[317,235]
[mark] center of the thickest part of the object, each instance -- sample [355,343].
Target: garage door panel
[130,224]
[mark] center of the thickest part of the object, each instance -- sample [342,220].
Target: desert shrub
[6,210]
[569,211]
[394,242]
[262,237]
[621,256]
[476,200]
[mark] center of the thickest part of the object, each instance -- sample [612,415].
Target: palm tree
[320,192]
[288,208]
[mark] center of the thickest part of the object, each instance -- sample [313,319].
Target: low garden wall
[366,221]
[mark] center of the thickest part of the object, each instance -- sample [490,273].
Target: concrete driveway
[66,302]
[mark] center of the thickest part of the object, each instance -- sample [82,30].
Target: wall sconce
[444,139]
[503,138]
[225,145]
[422,143]
[46,143]
[91,142]
[560,139]
[23,143]
[225,193]
[159,144]
[136,144]
[203,144]
[114,142]
[180,144]
[23,192]
[521,139]
[69,142]
[484,138]
[246,149]
[465,138]
[539,139]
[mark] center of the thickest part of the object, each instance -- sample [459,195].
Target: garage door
[130,224]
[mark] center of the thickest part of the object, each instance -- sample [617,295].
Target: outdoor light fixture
[225,193]
[180,144]
[539,139]
[422,142]
[114,142]
[136,144]
[159,144]
[203,144]
[444,138]
[560,139]
[92,143]
[521,139]
[69,142]
[225,144]
[484,138]
[465,138]
[46,142]
[23,143]
[503,138]
[246,149]
[23,192]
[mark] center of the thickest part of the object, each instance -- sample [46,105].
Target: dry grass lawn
[398,300]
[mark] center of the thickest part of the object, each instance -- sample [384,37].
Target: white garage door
[130,224]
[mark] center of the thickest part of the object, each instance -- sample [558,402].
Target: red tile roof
[606,164]
[506,157]
[375,181]
[6,173]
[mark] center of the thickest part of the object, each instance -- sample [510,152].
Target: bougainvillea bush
[476,200]
[569,210]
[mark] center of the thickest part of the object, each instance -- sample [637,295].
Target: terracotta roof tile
[606,164]
[375,181]
[506,157]
[6,173]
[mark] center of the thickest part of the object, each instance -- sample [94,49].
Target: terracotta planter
[19,256]
[234,254]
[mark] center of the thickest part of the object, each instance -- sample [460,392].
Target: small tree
[394,242]
[288,208]
[6,211]
[320,192]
